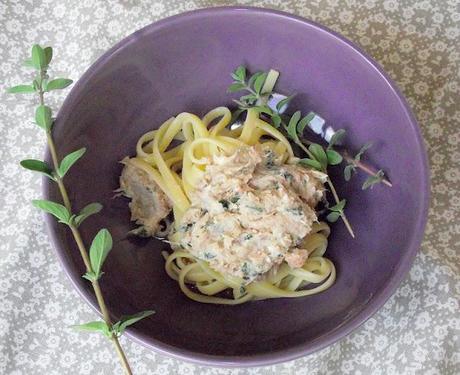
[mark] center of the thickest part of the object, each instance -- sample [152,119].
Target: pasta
[175,156]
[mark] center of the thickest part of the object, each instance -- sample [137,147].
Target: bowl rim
[377,301]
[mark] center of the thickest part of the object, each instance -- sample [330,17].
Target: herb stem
[342,215]
[81,246]
[364,167]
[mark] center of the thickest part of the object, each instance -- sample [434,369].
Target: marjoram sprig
[102,242]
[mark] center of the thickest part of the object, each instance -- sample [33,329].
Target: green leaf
[276,120]
[372,180]
[97,326]
[263,109]
[48,55]
[337,138]
[38,57]
[311,163]
[87,211]
[100,248]
[348,171]
[43,117]
[366,147]
[234,87]
[259,82]
[292,126]
[253,78]
[53,208]
[125,321]
[332,217]
[57,84]
[91,276]
[339,206]
[285,101]
[319,154]
[38,166]
[333,157]
[304,122]
[70,160]
[239,74]
[250,98]
[21,89]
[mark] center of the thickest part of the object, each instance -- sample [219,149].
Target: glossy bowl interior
[183,63]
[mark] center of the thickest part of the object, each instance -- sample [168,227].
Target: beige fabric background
[416,332]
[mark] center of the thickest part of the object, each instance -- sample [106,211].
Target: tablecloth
[418,329]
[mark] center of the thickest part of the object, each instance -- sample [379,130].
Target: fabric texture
[418,329]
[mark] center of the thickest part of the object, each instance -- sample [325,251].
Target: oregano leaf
[100,248]
[319,154]
[53,208]
[337,138]
[48,55]
[311,163]
[43,117]
[276,120]
[70,160]
[96,326]
[363,149]
[304,122]
[38,57]
[372,180]
[128,320]
[253,78]
[348,171]
[259,82]
[292,126]
[237,86]
[332,217]
[339,206]
[58,83]
[284,102]
[239,74]
[87,211]
[38,166]
[21,89]
[333,157]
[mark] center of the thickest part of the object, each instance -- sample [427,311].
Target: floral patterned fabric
[418,329]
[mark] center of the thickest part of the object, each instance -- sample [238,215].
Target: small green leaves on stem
[69,160]
[43,117]
[239,74]
[100,248]
[237,86]
[349,170]
[304,122]
[363,149]
[291,128]
[39,58]
[372,180]
[284,102]
[97,326]
[336,211]
[53,208]
[48,55]
[57,84]
[333,157]
[337,138]
[259,82]
[311,163]
[38,166]
[21,89]
[87,211]
[319,155]
[119,327]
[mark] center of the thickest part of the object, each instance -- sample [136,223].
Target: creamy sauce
[250,212]
[149,205]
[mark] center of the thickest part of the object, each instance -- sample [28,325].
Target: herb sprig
[318,157]
[102,242]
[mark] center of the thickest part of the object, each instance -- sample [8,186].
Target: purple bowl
[183,63]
